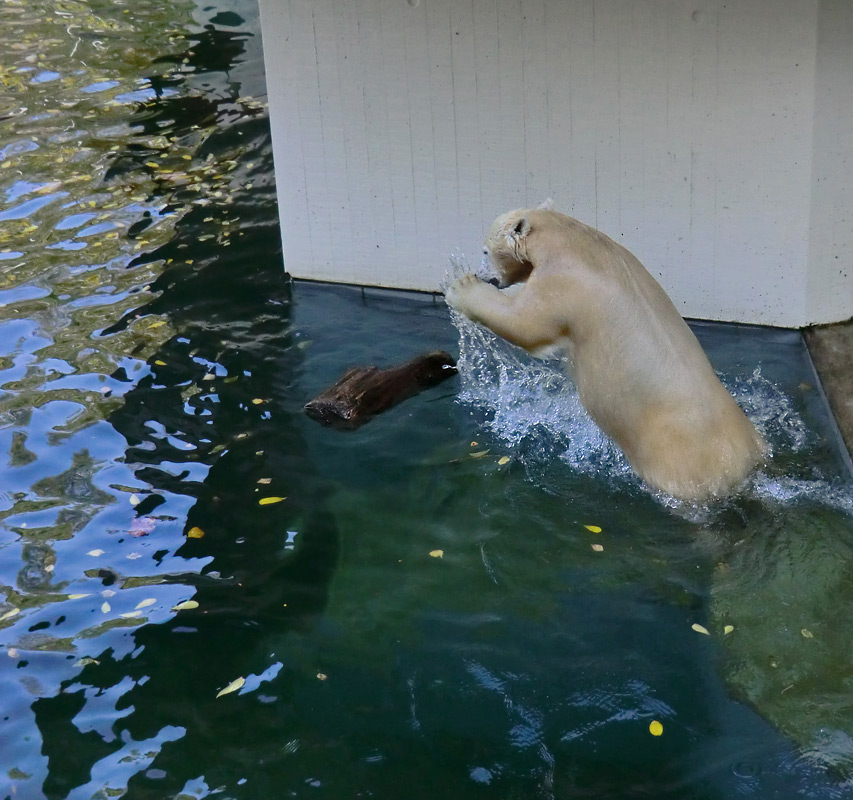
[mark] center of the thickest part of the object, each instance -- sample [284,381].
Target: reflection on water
[418,607]
[133,152]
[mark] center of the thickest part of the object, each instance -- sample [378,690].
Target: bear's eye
[485,251]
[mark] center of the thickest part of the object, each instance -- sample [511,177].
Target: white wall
[829,285]
[712,139]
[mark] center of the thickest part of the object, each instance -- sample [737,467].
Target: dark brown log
[363,392]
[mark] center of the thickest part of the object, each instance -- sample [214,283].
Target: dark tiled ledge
[831,349]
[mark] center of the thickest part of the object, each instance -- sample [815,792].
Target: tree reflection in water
[127,311]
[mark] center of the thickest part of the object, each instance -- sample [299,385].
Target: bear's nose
[485,251]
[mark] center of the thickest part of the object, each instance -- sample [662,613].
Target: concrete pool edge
[831,351]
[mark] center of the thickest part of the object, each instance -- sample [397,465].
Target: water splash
[532,406]
[770,410]
[788,490]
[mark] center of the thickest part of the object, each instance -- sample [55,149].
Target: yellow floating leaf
[95,553]
[106,607]
[597,547]
[233,686]
[503,460]
[266,501]
[593,528]
[728,629]
[265,481]
[11,613]
[148,601]
[807,633]
[134,500]
[160,363]
[437,553]
[86,660]
[130,614]
[77,596]
[655,728]
[257,401]
[12,652]
[700,628]
[187,604]
[195,533]
[159,323]
[321,676]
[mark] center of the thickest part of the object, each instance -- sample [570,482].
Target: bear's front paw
[459,292]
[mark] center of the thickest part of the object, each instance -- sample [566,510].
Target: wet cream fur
[640,372]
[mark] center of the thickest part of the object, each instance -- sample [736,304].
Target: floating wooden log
[363,392]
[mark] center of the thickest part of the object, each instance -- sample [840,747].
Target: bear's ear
[521,228]
[515,233]
[546,205]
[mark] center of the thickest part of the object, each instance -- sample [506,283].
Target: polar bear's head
[506,245]
[507,242]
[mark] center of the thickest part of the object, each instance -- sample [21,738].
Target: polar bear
[640,372]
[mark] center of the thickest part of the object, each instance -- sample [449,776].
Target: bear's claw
[455,295]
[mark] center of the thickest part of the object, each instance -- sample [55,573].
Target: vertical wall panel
[487,90]
[420,130]
[466,115]
[286,120]
[829,292]
[710,138]
[355,218]
[534,100]
[372,193]
[508,116]
[580,181]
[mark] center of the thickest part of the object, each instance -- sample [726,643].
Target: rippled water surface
[204,593]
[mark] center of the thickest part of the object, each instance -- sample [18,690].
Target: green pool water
[420,611]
